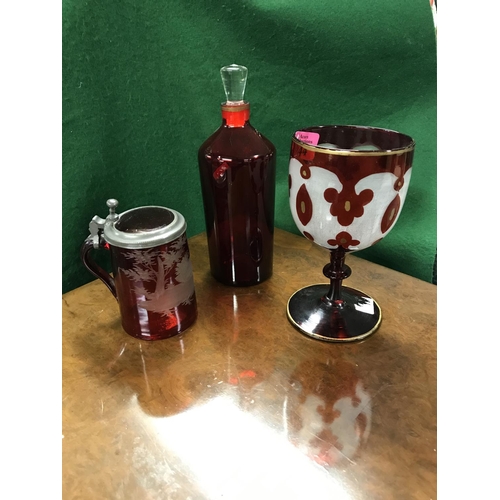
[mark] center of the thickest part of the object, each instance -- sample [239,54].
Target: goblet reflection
[331,414]
[347,186]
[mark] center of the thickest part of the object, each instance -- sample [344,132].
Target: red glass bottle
[238,176]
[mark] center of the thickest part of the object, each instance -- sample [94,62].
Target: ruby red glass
[347,186]
[237,172]
[153,284]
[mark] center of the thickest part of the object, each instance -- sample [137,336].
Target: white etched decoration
[163,279]
[330,212]
[334,431]
[330,411]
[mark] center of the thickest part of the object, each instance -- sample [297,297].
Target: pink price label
[311,138]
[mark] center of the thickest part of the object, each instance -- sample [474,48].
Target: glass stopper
[234,79]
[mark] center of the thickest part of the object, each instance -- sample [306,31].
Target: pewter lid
[143,227]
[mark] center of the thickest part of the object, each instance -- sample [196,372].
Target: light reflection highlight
[312,322]
[232,454]
[365,305]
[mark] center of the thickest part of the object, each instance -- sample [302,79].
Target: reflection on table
[242,405]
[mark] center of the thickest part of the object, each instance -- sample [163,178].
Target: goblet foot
[357,317]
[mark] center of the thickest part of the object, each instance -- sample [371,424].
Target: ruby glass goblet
[347,186]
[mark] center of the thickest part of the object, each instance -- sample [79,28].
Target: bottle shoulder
[237,142]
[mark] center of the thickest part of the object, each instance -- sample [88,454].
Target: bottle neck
[235,115]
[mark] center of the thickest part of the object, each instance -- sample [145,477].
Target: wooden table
[242,405]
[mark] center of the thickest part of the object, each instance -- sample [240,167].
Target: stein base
[149,338]
[357,318]
[162,335]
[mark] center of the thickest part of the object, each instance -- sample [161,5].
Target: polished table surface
[242,405]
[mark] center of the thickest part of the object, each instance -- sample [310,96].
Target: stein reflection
[162,377]
[168,377]
[192,379]
[330,414]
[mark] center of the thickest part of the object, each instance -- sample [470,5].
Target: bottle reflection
[250,351]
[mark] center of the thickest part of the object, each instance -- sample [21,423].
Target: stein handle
[94,240]
[95,269]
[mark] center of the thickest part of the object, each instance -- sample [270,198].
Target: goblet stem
[336,271]
[333,312]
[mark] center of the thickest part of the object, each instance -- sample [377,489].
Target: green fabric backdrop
[142,91]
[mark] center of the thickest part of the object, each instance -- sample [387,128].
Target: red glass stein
[238,173]
[152,274]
